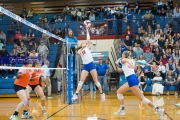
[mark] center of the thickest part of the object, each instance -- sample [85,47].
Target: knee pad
[120,96]
[43,98]
[145,101]
[24,103]
[80,83]
[98,84]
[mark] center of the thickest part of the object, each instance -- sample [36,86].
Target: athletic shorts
[132,80]
[33,86]
[18,88]
[88,67]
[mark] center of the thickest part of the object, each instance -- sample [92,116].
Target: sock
[43,108]
[25,112]
[101,92]
[76,93]
[122,107]
[156,108]
[16,113]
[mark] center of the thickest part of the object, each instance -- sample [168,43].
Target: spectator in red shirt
[164,60]
[128,32]
[17,35]
[147,46]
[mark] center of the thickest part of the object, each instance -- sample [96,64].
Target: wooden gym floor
[91,105]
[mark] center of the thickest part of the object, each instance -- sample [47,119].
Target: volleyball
[87,23]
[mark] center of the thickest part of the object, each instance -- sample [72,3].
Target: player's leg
[120,93]
[84,74]
[40,93]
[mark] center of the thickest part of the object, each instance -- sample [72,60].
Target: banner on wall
[96,29]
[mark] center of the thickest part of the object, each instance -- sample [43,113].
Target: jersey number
[83,52]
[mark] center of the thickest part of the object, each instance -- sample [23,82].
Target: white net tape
[8,67]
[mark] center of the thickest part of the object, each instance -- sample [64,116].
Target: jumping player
[22,80]
[88,63]
[34,85]
[128,66]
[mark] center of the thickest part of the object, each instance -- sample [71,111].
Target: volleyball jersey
[86,55]
[128,70]
[35,77]
[24,78]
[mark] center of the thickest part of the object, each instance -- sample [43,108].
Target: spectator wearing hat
[28,35]
[147,46]
[102,71]
[148,56]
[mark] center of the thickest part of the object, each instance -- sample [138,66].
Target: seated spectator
[177,38]
[154,9]
[73,15]
[149,30]
[53,29]
[164,60]
[176,55]
[126,7]
[128,32]
[18,35]
[154,70]
[141,78]
[148,56]
[65,10]
[47,26]
[30,13]
[170,32]
[28,35]
[33,53]
[3,52]
[92,30]
[45,19]
[92,16]
[157,87]
[21,50]
[170,4]
[11,28]
[170,66]
[53,19]
[137,40]
[176,13]
[147,46]
[1,45]
[18,26]
[24,13]
[143,22]
[168,54]
[59,19]
[84,15]
[141,31]
[157,56]
[128,42]
[147,72]
[161,40]
[147,16]
[14,52]
[141,59]
[157,35]
[146,38]
[60,34]
[152,22]
[31,47]
[3,38]
[171,81]
[18,41]
[45,40]
[137,51]
[162,13]
[158,29]
[168,12]
[170,41]
[166,29]
[167,47]
[42,48]
[153,40]
[33,39]
[43,57]
[137,8]
[79,15]
[162,70]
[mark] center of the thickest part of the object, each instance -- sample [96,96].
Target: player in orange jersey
[34,85]
[20,83]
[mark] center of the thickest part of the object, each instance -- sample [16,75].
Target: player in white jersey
[128,66]
[88,63]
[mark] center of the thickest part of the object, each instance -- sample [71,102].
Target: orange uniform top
[35,77]
[24,78]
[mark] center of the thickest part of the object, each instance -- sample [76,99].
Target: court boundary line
[62,108]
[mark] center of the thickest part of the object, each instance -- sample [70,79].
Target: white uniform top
[86,55]
[128,70]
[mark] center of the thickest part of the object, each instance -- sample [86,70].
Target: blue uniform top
[71,40]
[130,16]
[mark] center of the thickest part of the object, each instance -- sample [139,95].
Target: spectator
[43,57]
[53,29]
[84,15]
[21,50]
[128,32]
[162,13]
[138,41]
[17,35]
[137,8]
[141,59]
[24,13]
[170,41]
[176,13]
[108,18]
[157,35]
[157,56]
[60,34]
[18,41]
[147,46]
[45,19]
[29,35]
[162,70]
[168,12]
[149,31]
[170,4]
[31,47]
[45,40]
[119,17]
[164,60]
[79,15]
[161,40]
[14,52]
[33,39]
[154,9]
[3,38]
[137,51]
[166,29]
[158,29]
[146,37]
[59,19]
[153,40]
[141,78]
[143,23]
[128,42]
[166,47]
[126,7]
[170,32]
[18,26]
[92,30]
[46,78]
[42,48]
[148,56]
[176,55]
[154,70]
[11,28]
[65,10]
[177,38]
[159,5]
[1,45]
[130,17]
[53,19]
[157,87]
[33,53]
[92,16]
[102,71]
[153,22]
[171,81]
[73,15]
[30,13]
[122,47]
[170,66]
